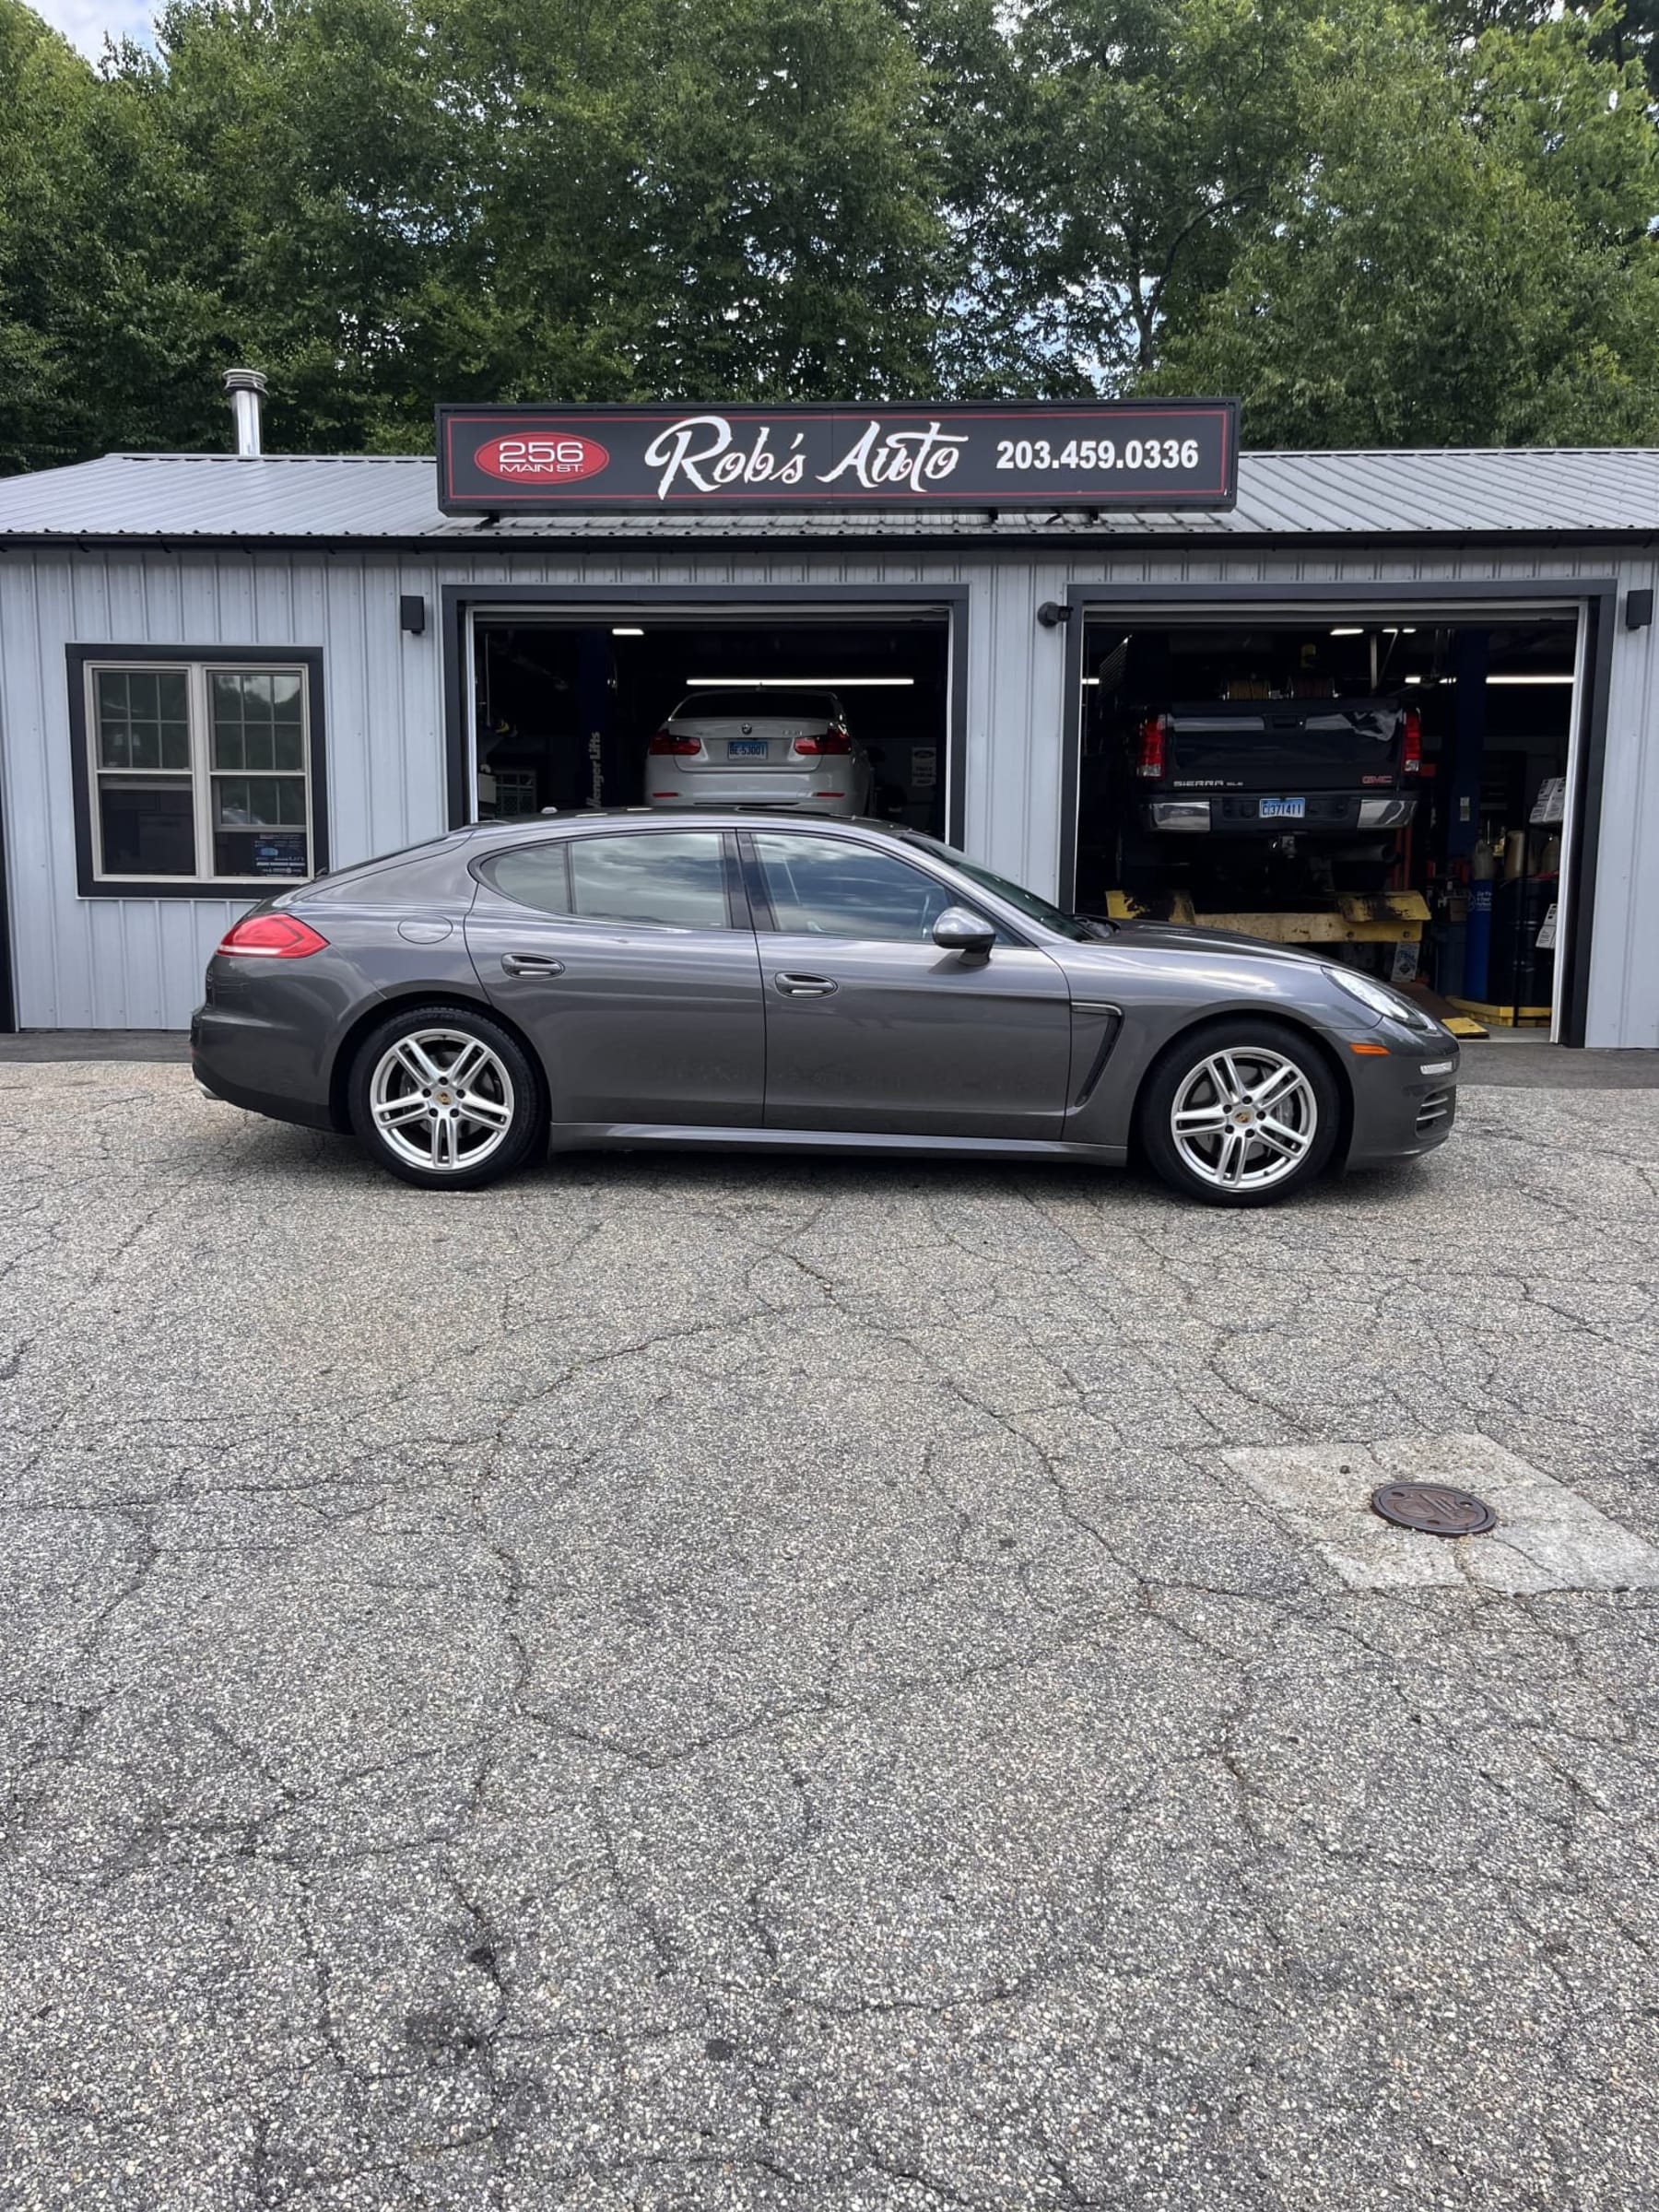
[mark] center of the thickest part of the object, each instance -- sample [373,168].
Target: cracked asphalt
[692,1683]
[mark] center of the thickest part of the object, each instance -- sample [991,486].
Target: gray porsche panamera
[750,981]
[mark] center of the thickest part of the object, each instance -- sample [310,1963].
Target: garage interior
[564,709]
[1463,905]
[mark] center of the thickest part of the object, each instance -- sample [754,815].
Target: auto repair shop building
[222,673]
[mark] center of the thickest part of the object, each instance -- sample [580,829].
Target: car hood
[1160,936]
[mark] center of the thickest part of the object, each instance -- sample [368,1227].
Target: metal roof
[290,498]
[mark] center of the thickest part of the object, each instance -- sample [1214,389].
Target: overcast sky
[85,22]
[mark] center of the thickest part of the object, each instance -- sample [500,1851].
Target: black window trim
[231,891]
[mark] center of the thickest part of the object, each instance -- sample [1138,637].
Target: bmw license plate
[745,748]
[1288,810]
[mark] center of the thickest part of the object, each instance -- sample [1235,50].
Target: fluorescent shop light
[798,683]
[625,632]
[1529,679]
[1347,633]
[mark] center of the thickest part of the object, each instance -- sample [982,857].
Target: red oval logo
[560,458]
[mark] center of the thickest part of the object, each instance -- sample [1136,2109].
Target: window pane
[674,880]
[145,740]
[819,887]
[285,696]
[144,695]
[175,745]
[112,691]
[288,746]
[258,801]
[227,721]
[146,828]
[173,688]
[256,698]
[114,719]
[535,876]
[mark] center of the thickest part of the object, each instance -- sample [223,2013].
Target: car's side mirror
[958,929]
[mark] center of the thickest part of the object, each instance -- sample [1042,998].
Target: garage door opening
[573,713]
[1393,789]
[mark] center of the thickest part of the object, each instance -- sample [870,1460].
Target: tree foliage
[1464,255]
[1376,222]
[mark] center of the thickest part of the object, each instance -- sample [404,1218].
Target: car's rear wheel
[446,1098]
[1240,1112]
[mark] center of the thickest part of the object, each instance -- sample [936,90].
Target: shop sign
[282,855]
[1091,454]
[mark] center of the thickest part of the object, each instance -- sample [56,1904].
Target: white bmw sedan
[760,749]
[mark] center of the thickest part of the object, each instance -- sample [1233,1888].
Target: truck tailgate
[1284,744]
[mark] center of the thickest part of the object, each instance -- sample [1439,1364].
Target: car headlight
[1392,1005]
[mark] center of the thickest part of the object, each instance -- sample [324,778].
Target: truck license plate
[1289,810]
[745,748]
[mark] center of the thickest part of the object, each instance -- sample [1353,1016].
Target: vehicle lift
[1397,918]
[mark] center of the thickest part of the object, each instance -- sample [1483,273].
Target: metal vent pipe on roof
[246,387]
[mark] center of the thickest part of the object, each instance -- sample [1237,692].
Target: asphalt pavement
[822,1686]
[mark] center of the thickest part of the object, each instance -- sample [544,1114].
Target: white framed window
[196,770]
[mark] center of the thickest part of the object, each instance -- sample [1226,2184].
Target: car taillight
[832,741]
[1153,732]
[273,938]
[666,742]
[1411,752]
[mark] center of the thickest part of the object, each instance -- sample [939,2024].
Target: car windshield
[1080,927]
[817,705]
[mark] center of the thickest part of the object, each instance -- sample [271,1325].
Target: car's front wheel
[446,1098]
[1240,1112]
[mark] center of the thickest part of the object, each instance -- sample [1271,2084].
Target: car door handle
[805,986]
[531,963]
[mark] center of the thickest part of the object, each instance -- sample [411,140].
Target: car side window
[536,875]
[664,879]
[825,886]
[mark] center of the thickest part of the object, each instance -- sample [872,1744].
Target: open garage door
[831,709]
[1394,788]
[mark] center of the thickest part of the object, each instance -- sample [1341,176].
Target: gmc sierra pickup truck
[1254,761]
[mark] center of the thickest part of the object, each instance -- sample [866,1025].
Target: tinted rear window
[817,706]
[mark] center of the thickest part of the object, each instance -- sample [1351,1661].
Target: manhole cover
[1434,1508]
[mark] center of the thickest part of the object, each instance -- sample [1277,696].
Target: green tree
[1468,257]
[502,198]
[98,329]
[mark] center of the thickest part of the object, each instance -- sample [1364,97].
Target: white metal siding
[136,962]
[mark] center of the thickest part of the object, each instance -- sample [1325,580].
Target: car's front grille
[1435,1109]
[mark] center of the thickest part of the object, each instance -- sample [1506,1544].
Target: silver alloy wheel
[1244,1119]
[442,1099]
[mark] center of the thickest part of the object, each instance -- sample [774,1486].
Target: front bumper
[1325,813]
[1405,1101]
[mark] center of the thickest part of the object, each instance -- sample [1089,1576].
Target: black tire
[1313,1112]
[508,1083]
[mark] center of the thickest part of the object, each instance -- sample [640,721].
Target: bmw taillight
[1153,733]
[1411,752]
[666,742]
[834,740]
[273,938]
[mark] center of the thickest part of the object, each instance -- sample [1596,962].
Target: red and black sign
[1167,452]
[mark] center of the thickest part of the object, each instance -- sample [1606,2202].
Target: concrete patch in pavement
[1547,1538]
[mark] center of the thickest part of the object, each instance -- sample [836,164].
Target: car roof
[660,817]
